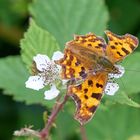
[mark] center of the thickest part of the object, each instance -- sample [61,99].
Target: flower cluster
[47,73]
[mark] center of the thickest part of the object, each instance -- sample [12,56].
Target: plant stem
[83,132]
[45,131]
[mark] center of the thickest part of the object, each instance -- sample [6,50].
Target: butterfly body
[89,58]
[92,60]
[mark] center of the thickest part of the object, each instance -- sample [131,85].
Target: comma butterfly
[89,59]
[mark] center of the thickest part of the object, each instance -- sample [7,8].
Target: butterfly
[88,60]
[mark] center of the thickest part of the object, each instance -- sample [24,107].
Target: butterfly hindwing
[120,46]
[87,96]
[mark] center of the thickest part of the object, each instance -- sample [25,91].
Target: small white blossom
[47,74]
[41,62]
[121,70]
[57,55]
[35,82]
[111,88]
[52,93]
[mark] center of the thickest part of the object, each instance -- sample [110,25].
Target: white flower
[52,93]
[35,82]
[47,74]
[121,70]
[57,55]
[112,87]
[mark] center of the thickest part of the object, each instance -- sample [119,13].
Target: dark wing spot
[83,41]
[90,45]
[71,57]
[69,62]
[101,45]
[90,82]
[91,40]
[116,43]
[119,53]
[132,47]
[120,43]
[71,71]
[97,47]
[83,74]
[77,63]
[82,68]
[79,87]
[113,47]
[92,109]
[85,90]
[99,85]
[125,51]
[86,97]
[96,95]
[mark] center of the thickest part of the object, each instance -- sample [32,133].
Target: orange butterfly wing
[120,46]
[87,96]
[89,42]
[72,66]
[80,55]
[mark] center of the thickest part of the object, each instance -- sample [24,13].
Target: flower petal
[35,82]
[41,61]
[52,93]
[111,88]
[121,70]
[57,55]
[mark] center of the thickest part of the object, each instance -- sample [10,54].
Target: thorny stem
[83,132]
[44,133]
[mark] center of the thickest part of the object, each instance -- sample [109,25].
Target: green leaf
[120,21]
[134,137]
[117,123]
[64,18]
[66,131]
[13,76]
[129,83]
[123,98]
[37,40]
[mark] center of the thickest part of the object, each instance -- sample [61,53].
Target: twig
[83,132]
[27,131]
[44,133]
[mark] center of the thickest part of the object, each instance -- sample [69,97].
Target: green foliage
[116,123]
[121,12]
[63,19]
[37,41]
[11,12]
[13,76]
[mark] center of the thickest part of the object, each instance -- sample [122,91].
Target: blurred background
[14,21]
